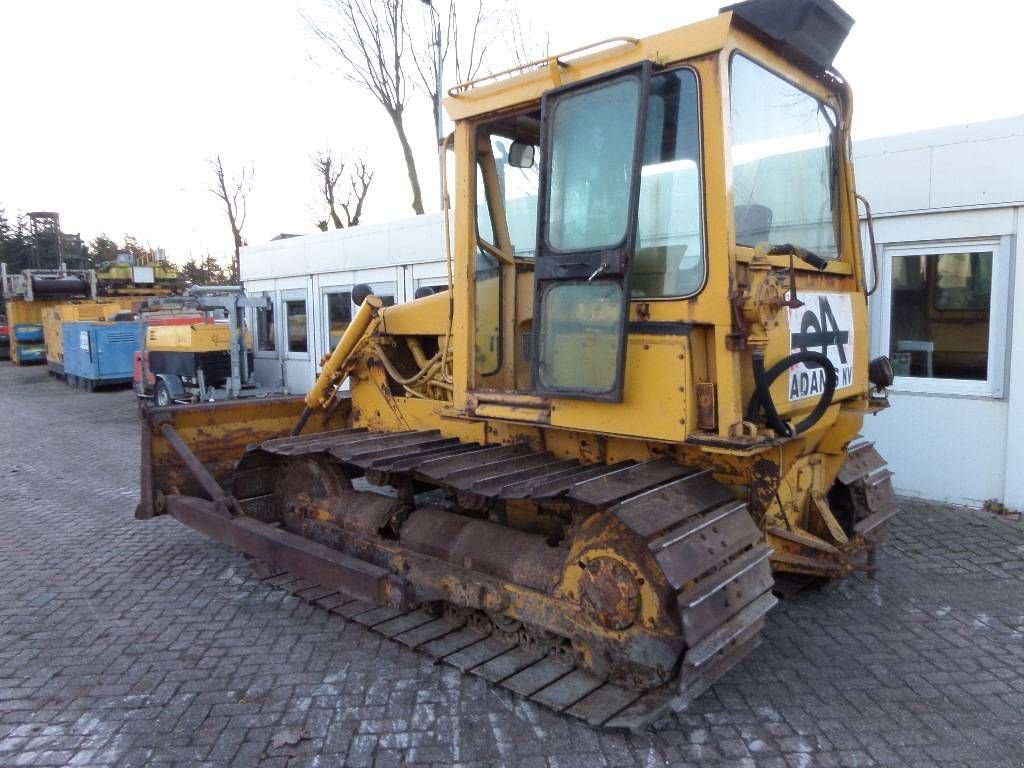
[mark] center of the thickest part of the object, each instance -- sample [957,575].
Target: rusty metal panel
[741,582]
[413,459]
[299,585]
[247,483]
[452,642]
[603,704]
[707,406]
[496,485]
[703,677]
[670,504]
[282,580]
[613,487]
[566,691]
[861,460]
[506,665]
[354,608]
[420,447]
[262,508]
[540,675]
[478,653]
[732,630]
[429,631]
[466,478]
[642,712]
[352,449]
[438,469]
[378,615]
[562,481]
[303,558]
[404,623]
[308,442]
[330,602]
[686,554]
[218,434]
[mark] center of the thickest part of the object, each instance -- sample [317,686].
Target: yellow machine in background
[580,467]
[199,337]
[125,277]
[197,347]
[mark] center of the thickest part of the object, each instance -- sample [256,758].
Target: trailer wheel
[162,395]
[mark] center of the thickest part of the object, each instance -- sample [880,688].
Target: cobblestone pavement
[143,643]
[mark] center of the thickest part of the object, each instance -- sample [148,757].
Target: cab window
[784,164]
[670,230]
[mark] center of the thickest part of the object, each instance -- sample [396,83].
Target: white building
[947,207]
[948,220]
[309,280]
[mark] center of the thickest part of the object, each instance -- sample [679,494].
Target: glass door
[593,136]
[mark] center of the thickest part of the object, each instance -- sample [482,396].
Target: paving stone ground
[143,643]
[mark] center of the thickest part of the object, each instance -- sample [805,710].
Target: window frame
[702,192]
[256,332]
[325,292]
[838,213]
[994,384]
[702,175]
[291,297]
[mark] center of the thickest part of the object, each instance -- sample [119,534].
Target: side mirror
[520,155]
[360,292]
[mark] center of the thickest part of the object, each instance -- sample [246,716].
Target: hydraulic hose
[762,398]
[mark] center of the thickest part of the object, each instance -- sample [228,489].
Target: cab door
[592,139]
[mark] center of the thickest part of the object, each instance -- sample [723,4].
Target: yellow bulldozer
[578,471]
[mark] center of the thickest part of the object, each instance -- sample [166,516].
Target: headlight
[880,372]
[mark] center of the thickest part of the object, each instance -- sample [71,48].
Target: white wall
[953,184]
[395,258]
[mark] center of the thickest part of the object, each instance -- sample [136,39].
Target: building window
[295,317]
[945,317]
[266,338]
[339,315]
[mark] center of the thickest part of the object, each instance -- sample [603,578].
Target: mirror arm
[497,253]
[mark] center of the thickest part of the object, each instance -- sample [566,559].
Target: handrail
[445,216]
[457,90]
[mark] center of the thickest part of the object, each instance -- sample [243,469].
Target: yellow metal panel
[53,334]
[655,400]
[201,337]
[683,43]
[424,317]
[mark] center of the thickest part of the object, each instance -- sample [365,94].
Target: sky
[113,108]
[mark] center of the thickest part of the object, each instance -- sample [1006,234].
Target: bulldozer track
[703,539]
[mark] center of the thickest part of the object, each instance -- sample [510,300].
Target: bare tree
[470,43]
[370,37]
[233,193]
[330,172]
[329,175]
[464,43]
[524,47]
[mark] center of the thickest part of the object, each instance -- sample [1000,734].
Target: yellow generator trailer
[577,472]
[197,347]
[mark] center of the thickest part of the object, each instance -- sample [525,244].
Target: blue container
[101,353]
[31,353]
[28,332]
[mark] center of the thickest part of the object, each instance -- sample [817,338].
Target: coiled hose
[762,397]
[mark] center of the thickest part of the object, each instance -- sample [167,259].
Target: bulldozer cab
[621,212]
